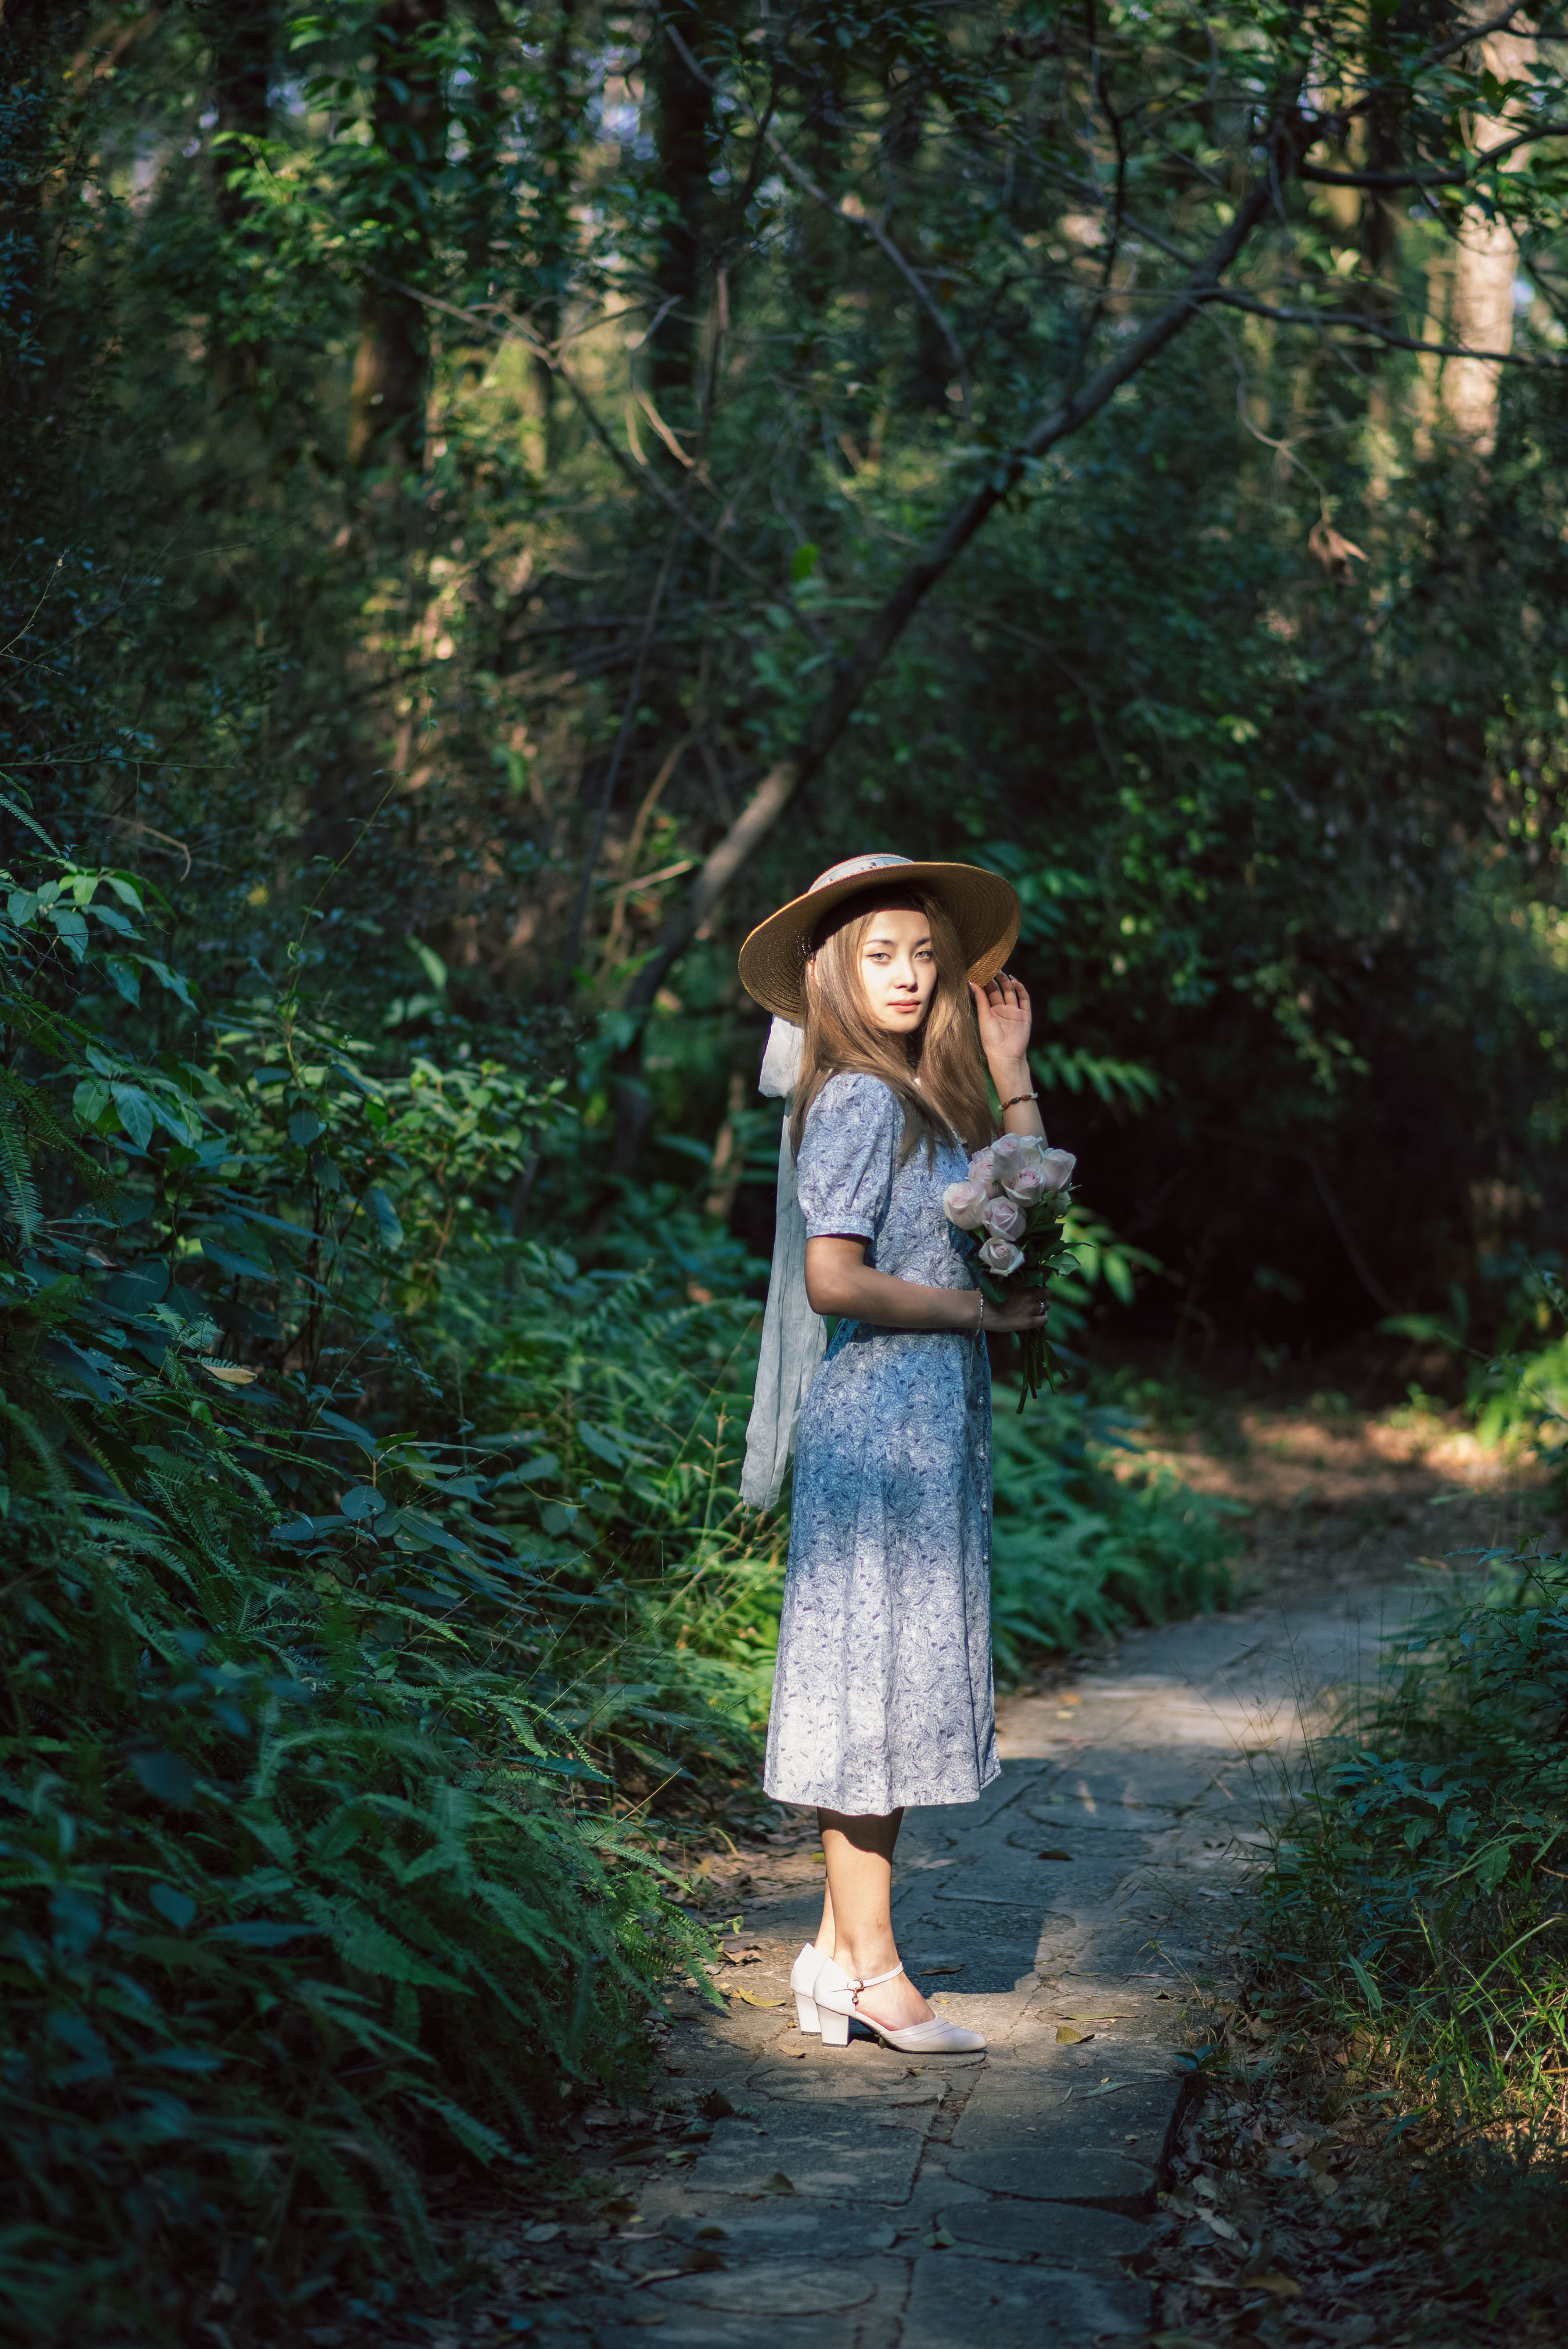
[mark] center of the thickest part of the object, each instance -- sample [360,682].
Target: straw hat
[982,907]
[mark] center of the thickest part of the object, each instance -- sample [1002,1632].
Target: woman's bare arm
[1004,1015]
[840,1281]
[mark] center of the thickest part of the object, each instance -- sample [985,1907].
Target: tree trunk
[386,402]
[1486,260]
[684,130]
[555,242]
[34,39]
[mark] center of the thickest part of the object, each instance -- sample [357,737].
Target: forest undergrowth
[381,1629]
[1378,2149]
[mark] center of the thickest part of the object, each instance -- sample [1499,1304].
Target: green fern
[16,1184]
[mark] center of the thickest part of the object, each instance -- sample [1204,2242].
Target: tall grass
[1417,1910]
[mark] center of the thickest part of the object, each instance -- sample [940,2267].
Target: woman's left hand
[1002,1010]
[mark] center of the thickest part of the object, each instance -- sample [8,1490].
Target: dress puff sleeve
[849,1156]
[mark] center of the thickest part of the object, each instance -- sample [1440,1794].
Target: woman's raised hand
[1003,1013]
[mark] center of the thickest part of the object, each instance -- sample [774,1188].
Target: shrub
[1080,1550]
[1415,1910]
[293,1884]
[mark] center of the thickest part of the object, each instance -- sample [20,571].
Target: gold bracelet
[980,1324]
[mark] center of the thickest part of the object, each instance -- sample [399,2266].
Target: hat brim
[982,907]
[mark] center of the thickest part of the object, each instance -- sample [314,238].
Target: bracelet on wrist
[1007,1105]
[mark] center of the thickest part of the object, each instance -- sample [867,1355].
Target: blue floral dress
[883,1694]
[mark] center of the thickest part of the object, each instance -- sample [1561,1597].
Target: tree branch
[855,670]
[1441,175]
[1471,33]
[1229,301]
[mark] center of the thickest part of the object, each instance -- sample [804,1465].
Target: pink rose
[1027,1186]
[1000,1256]
[980,1170]
[1057,1169]
[1003,1219]
[1007,1155]
[966,1204]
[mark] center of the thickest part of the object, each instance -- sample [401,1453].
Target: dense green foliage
[459,454]
[292,1695]
[368,1574]
[1413,1912]
[1418,1893]
[1080,1550]
[355,361]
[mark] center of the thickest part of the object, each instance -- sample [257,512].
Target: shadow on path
[859,2199]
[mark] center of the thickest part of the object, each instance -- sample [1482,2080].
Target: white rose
[1027,1186]
[1007,1155]
[964,1205]
[1005,1219]
[1000,1256]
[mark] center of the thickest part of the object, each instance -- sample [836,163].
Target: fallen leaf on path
[1068,2037]
[939,2239]
[779,2184]
[1282,2286]
[735,1991]
[1054,1855]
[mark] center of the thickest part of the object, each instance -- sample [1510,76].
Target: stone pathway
[859,2199]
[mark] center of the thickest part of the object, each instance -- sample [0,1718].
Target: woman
[883,1694]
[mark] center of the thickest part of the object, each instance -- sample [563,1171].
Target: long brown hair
[950,1100]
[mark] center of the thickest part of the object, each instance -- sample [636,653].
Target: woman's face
[898,970]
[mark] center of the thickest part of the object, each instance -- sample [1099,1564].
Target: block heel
[838,1999]
[803,1981]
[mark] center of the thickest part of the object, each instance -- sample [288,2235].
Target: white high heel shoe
[802,1981]
[838,2004]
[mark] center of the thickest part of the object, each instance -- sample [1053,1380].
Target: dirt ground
[1342,1496]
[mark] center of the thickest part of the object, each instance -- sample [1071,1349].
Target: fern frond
[27,1102]
[16,1184]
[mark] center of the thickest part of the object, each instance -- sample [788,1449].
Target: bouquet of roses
[1012,1206]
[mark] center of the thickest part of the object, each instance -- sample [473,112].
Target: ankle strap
[870,1982]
